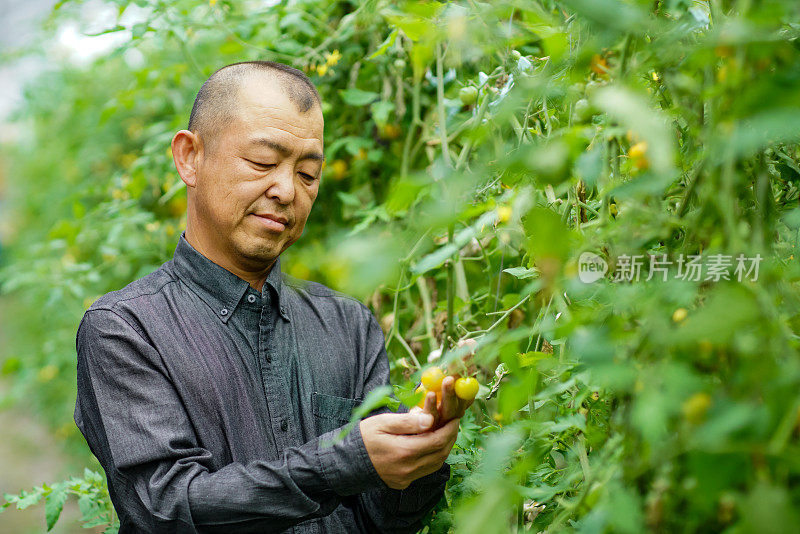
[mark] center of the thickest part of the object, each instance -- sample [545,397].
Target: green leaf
[54,504]
[438,257]
[381,110]
[139,29]
[377,398]
[357,97]
[385,45]
[521,272]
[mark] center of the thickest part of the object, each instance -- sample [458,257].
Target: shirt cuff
[345,463]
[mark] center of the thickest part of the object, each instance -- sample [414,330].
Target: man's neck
[207,249]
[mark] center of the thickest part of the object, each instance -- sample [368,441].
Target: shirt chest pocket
[331,412]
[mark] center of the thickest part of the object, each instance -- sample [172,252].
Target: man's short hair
[216,100]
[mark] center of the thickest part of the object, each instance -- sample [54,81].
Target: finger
[435,440]
[450,402]
[430,408]
[432,461]
[403,423]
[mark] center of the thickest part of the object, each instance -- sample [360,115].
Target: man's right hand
[402,447]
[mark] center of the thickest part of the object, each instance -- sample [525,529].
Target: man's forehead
[267,107]
[261,90]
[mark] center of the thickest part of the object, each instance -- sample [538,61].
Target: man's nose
[281,186]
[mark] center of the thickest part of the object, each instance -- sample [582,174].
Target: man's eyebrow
[284,150]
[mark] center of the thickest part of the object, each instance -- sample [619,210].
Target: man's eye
[308,176]
[265,165]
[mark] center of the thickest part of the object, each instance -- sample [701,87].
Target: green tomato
[582,111]
[468,95]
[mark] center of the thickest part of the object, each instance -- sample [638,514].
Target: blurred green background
[474,151]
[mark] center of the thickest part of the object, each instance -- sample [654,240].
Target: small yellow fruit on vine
[389,131]
[695,407]
[338,169]
[638,150]
[504,213]
[637,156]
[679,315]
[599,65]
[432,378]
[466,388]
[421,389]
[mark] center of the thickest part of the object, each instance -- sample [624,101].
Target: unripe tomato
[432,379]
[389,131]
[466,388]
[468,95]
[583,110]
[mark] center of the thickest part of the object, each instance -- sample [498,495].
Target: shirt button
[251,298]
[283,310]
[284,425]
[223,312]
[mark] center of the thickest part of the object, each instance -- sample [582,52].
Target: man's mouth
[272,222]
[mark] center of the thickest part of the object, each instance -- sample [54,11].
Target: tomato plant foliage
[483,160]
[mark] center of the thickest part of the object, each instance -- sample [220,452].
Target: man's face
[267,161]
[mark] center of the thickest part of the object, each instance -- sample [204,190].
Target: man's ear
[186,149]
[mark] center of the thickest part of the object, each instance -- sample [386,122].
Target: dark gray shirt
[209,404]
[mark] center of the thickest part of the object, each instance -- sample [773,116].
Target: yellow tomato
[421,389]
[599,65]
[432,378]
[638,150]
[466,388]
[338,169]
[389,131]
[695,407]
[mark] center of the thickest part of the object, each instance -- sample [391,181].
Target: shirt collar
[217,286]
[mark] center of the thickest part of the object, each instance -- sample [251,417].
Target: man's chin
[259,252]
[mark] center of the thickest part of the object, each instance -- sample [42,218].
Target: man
[211,388]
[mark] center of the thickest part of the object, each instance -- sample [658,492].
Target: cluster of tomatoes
[466,387]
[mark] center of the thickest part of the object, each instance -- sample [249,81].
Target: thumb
[406,423]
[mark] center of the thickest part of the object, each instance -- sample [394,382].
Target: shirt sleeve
[386,509]
[158,474]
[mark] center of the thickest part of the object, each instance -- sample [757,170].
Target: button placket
[272,378]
